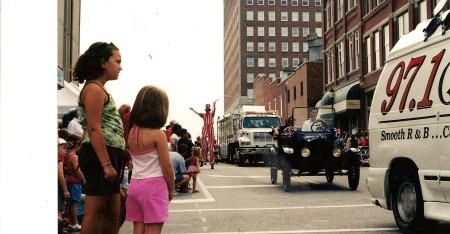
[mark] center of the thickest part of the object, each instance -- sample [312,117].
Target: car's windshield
[313,119]
[260,122]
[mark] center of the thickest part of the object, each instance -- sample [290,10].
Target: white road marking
[225,176]
[244,186]
[272,208]
[310,231]
[208,197]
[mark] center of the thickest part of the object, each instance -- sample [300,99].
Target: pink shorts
[192,167]
[148,201]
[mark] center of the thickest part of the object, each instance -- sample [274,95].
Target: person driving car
[307,125]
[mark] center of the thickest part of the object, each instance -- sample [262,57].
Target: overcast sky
[176,45]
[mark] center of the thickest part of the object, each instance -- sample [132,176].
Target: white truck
[409,128]
[244,135]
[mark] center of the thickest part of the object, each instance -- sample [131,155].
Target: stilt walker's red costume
[208,132]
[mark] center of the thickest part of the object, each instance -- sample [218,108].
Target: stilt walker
[207,132]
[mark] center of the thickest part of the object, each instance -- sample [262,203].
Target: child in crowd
[194,166]
[75,180]
[63,192]
[152,182]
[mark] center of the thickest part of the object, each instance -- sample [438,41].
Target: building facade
[262,37]
[358,36]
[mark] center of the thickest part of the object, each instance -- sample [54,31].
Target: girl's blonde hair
[196,151]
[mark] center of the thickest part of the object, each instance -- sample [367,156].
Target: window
[260,2]
[284,31]
[377,50]
[249,2]
[284,62]
[295,62]
[250,93]
[284,16]
[294,3]
[339,10]
[284,46]
[260,46]
[271,2]
[260,31]
[250,62]
[272,62]
[305,16]
[319,2]
[295,92]
[260,62]
[305,46]
[421,11]
[305,2]
[250,77]
[305,31]
[402,25]
[340,47]
[272,46]
[351,4]
[294,16]
[295,47]
[356,49]
[260,15]
[385,43]
[319,32]
[271,31]
[318,16]
[249,15]
[368,57]
[329,73]
[350,52]
[250,46]
[271,15]
[295,31]
[284,2]
[301,88]
[329,16]
[249,31]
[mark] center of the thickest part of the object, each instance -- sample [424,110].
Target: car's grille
[262,137]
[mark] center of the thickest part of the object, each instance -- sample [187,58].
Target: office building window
[295,32]
[284,62]
[340,47]
[284,46]
[294,3]
[351,51]
[377,49]
[421,11]
[356,49]
[271,2]
[284,2]
[284,31]
[385,43]
[351,4]
[368,52]
[261,46]
[249,31]
[260,31]
[402,25]
[271,15]
[272,62]
[284,16]
[305,2]
[305,31]
[250,93]
[294,16]
[339,10]
[250,78]
[260,62]
[295,92]
[260,2]
[318,2]
[250,46]
[250,62]
[249,15]
[271,31]
[295,47]
[295,62]
[272,47]
[305,16]
[318,16]
[260,15]
[249,2]
[319,32]
[305,47]
[329,16]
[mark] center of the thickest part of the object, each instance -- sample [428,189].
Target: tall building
[358,36]
[262,37]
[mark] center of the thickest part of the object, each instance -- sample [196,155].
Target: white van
[409,127]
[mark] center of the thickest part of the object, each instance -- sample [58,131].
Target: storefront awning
[67,98]
[346,98]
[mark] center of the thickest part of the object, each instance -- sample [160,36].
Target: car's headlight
[337,152]
[305,152]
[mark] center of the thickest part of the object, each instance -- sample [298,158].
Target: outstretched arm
[192,109]
[214,106]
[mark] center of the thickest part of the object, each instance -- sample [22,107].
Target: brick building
[358,36]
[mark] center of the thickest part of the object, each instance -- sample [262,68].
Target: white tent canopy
[67,98]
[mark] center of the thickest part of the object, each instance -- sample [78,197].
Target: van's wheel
[273,175]
[407,204]
[329,174]
[353,176]
[286,168]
